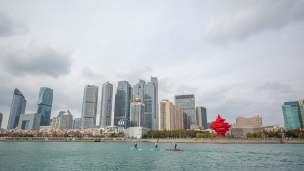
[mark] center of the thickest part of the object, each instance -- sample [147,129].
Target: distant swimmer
[156,145]
[135,145]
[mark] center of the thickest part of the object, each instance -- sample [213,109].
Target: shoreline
[203,141]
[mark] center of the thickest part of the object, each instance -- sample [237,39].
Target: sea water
[119,156]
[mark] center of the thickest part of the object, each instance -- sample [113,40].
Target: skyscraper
[45,100]
[1,117]
[89,106]
[137,109]
[17,108]
[201,115]
[106,105]
[293,113]
[187,104]
[149,94]
[123,99]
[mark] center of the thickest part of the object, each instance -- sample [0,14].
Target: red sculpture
[220,126]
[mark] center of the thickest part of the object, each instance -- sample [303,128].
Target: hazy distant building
[76,123]
[123,99]
[63,121]
[201,115]
[246,125]
[45,100]
[17,108]
[187,104]
[137,109]
[61,113]
[89,106]
[148,92]
[1,118]
[29,121]
[106,105]
[252,122]
[293,113]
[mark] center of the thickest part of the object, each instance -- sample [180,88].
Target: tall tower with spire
[137,110]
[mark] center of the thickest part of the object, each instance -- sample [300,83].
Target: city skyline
[239,58]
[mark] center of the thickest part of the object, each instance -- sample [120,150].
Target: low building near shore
[136,132]
[246,125]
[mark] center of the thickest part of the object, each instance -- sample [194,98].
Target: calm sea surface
[119,156]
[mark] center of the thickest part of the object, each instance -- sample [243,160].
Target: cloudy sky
[239,58]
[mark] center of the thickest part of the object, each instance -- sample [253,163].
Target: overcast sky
[239,58]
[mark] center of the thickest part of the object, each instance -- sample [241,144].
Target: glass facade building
[123,99]
[89,106]
[106,105]
[201,115]
[148,92]
[293,114]
[45,100]
[17,108]
[187,104]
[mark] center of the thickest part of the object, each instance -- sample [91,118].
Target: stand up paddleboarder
[175,145]
[135,145]
[155,145]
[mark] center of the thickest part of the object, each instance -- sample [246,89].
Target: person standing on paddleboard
[156,145]
[135,145]
[175,145]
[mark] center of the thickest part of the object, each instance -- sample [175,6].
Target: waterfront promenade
[203,140]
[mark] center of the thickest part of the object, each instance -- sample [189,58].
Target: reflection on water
[119,156]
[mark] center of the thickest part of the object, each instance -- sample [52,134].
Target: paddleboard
[174,150]
[155,149]
[135,148]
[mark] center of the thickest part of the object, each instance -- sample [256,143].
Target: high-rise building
[201,115]
[89,106]
[45,100]
[166,115]
[63,121]
[149,94]
[106,105]
[137,109]
[123,99]
[187,104]
[76,123]
[29,121]
[1,117]
[17,108]
[170,117]
[293,113]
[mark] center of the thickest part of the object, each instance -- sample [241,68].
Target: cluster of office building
[135,108]
[19,119]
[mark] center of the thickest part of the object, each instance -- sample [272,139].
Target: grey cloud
[252,19]
[276,88]
[88,73]
[186,89]
[10,26]
[36,60]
